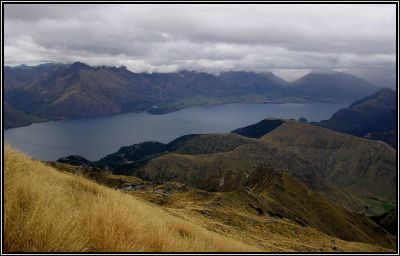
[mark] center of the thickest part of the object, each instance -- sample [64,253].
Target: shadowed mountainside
[331,85]
[270,194]
[372,117]
[388,220]
[259,129]
[17,118]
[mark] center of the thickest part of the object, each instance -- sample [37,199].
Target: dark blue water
[96,137]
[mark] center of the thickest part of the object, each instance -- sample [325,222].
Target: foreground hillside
[47,210]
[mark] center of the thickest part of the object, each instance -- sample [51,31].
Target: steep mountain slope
[263,84]
[79,90]
[342,167]
[49,211]
[28,88]
[332,86]
[364,167]
[372,117]
[273,203]
[42,203]
[287,197]
[103,91]
[189,84]
[388,220]
[15,118]
[55,91]
[229,171]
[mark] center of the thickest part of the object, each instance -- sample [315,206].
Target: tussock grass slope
[362,167]
[47,211]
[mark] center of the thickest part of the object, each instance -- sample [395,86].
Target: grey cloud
[203,37]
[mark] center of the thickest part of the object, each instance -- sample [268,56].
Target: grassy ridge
[48,211]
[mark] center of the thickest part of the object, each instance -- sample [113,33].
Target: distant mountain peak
[186,71]
[22,66]
[329,74]
[345,86]
[386,94]
[372,117]
[80,65]
[259,129]
[386,90]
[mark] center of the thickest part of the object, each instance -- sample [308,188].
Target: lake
[94,138]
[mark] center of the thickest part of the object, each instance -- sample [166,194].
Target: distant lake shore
[93,138]
[166,108]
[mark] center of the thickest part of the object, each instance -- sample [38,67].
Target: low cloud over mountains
[167,38]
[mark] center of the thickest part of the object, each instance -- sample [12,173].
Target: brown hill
[356,173]
[275,203]
[342,167]
[50,211]
[363,167]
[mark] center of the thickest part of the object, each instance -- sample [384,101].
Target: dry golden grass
[48,211]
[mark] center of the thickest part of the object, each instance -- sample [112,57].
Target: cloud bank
[289,39]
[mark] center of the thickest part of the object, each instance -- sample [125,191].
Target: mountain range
[57,91]
[332,85]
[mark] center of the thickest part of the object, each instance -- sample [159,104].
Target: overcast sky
[287,39]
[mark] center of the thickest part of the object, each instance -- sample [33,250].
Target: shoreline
[174,108]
